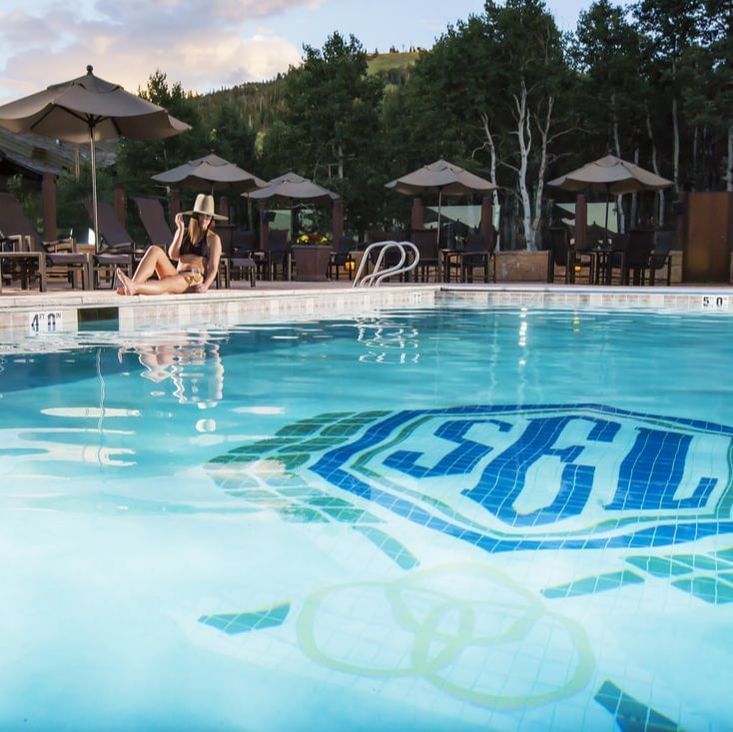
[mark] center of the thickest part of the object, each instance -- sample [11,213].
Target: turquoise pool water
[430,519]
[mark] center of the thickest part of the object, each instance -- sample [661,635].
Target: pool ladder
[378,275]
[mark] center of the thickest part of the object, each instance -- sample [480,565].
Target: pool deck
[242,303]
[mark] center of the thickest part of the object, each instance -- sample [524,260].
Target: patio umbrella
[210,171]
[442,178]
[89,109]
[612,175]
[290,187]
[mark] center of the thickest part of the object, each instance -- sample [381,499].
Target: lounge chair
[32,254]
[119,246]
[153,220]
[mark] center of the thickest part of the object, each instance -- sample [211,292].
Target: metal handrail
[376,277]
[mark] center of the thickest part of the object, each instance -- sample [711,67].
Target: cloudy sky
[205,44]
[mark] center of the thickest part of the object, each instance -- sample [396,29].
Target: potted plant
[312,254]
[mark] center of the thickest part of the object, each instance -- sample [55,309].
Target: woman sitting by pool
[197,249]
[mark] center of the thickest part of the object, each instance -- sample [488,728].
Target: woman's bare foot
[128,286]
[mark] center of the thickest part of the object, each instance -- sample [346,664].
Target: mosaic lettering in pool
[503,478]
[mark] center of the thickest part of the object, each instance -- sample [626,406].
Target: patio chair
[341,259]
[152,216]
[24,247]
[427,244]
[119,246]
[238,258]
[563,254]
[475,255]
[641,259]
[275,254]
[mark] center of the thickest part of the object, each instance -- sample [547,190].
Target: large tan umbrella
[210,171]
[612,175]
[292,186]
[89,109]
[443,178]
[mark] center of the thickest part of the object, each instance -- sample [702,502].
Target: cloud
[204,44]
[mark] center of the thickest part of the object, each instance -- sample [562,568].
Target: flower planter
[311,262]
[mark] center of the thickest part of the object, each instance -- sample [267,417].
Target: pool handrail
[376,277]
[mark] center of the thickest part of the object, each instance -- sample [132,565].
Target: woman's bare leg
[173,285]
[154,261]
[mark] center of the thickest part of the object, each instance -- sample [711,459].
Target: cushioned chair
[33,257]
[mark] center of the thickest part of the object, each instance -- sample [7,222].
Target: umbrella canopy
[88,109]
[611,175]
[441,177]
[210,171]
[292,186]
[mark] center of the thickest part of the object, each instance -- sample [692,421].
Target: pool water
[451,518]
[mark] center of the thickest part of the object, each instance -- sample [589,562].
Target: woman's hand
[179,221]
[201,288]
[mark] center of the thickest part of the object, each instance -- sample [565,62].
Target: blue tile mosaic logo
[505,478]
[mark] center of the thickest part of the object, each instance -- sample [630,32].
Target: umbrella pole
[440,207]
[94,188]
[608,197]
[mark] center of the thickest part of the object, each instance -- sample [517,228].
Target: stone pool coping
[65,310]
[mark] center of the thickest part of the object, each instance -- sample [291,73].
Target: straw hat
[205,205]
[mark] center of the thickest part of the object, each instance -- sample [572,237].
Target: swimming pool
[451,518]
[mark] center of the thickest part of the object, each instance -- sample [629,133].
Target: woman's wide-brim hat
[204,205]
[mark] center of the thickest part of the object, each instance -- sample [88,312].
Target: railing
[378,275]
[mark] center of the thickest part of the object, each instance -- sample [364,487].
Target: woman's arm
[174,249]
[212,263]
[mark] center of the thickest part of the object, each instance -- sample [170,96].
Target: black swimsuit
[200,248]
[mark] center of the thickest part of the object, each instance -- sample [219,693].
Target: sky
[206,44]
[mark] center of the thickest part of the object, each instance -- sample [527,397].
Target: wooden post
[175,194]
[337,215]
[264,228]
[48,194]
[120,203]
[487,220]
[417,219]
[581,222]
